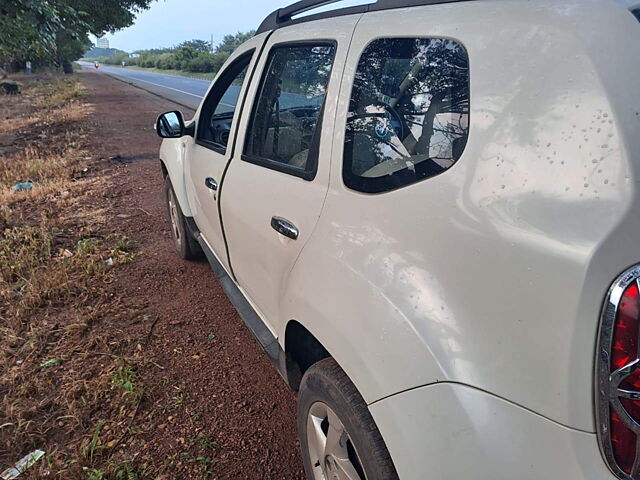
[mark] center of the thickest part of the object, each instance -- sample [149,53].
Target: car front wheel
[338,437]
[186,246]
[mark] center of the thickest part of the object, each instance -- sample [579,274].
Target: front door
[273,195]
[208,153]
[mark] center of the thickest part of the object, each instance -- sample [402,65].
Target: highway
[182,90]
[189,91]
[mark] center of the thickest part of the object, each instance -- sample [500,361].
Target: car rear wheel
[184,243]
[338,437]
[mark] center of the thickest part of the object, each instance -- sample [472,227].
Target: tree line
[197,56]
[56,32]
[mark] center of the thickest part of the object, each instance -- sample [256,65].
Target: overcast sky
[169,22]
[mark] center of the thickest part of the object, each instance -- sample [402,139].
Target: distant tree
[154,51]
[197,45]
[231,42]
[95,52]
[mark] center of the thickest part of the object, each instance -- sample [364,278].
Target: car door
[211,148]
[272,196]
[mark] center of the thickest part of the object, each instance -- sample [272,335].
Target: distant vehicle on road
[96,65]
[427,213]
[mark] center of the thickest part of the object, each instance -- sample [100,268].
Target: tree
[58,30]
[231,42]
[197,45]
[29,28]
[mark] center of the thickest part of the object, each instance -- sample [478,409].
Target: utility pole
[212,43]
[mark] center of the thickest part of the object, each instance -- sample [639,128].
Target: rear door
[208,153]
[273,195]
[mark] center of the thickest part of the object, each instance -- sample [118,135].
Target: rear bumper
[451,431]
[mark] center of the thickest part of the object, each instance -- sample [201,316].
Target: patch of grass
[62,90]
[94,443]
[204,440]
[122,251]
[50,134]
[33,272]
[125,471]
[114,471]
[205,461]
[177,400]
[65,386]
[126,378]
[51,362]
[95,474]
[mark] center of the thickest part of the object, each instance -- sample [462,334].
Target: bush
[166,61]
[192,56]
[205,63]
[116,59]
[148,60]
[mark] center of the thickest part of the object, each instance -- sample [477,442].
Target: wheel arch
[355,323]
[302,350]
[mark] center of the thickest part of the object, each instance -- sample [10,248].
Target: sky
[169,22]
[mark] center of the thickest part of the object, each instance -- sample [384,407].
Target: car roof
[284,16]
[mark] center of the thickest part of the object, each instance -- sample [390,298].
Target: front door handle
[211,183]
[285,227]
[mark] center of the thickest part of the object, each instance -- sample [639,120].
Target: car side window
[408,117]
[283,133]
[216,117]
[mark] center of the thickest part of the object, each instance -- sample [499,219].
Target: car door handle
[285,227]
[211,183]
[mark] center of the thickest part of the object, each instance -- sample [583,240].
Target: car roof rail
[284,16]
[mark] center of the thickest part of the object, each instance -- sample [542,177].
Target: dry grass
[65,386]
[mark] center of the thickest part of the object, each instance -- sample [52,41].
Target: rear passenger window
[408,116]
[284,127]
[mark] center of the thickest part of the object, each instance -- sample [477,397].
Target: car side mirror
[170,125]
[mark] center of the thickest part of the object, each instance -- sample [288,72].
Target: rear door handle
[211,183]
[285,227]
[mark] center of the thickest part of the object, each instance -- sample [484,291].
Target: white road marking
[162,86]
[171,88]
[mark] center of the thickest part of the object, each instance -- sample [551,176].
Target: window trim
[376,185]
[213,93]
[314,148]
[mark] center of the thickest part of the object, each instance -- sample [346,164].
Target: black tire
[326,384]
[184,243]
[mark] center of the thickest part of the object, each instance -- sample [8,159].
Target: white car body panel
[464,307]
[497,268]
[172,157]
[448,432]
[252,195]
[206,163]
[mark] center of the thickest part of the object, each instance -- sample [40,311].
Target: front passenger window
[284,126]
[216,119]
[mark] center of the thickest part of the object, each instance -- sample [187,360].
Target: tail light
[618,377]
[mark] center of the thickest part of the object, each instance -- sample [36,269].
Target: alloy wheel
[173,215]
[331,450]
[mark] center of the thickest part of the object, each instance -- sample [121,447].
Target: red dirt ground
[212,382]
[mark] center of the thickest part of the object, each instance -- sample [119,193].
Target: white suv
[422,209]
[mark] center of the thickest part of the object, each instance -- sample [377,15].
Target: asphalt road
[182,90]
[189,91]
